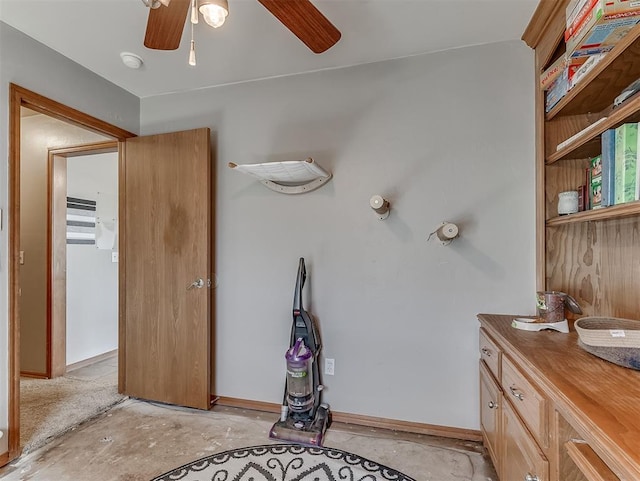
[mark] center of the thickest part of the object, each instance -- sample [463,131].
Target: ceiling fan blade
[165,25]
[306,22]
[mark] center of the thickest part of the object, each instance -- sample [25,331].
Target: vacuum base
[310,432]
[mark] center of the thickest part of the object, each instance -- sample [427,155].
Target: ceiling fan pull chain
[194,13]
[192,50]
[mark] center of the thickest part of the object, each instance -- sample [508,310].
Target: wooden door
[165,248]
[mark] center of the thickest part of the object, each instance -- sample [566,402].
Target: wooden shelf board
[591,466]
[589,145]
[605,213]
[609,77]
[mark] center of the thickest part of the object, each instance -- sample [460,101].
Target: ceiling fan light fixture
[156,3]
[214,12]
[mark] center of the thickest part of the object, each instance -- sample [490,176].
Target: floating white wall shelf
[287,177]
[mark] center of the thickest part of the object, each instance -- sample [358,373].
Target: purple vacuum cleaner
[304,418]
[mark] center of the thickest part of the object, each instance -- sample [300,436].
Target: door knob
[198,283]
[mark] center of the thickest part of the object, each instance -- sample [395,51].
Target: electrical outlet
[329,366]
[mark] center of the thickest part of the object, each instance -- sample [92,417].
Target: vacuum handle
[302,277]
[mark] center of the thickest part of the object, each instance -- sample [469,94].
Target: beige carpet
[51,407]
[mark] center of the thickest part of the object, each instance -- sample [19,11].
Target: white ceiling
[252,44]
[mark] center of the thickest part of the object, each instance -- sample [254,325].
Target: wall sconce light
[445,233]
[380,205]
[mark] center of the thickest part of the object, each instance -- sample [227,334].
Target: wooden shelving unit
[593,255]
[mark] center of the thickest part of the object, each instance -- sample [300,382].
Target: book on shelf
[582,192]
[553,72]
[595,192]
[580,67]
[587,188]
[608,143]
[558,89]
[577,13]
[602,37]
[595,186]
[637,183]
[596,26]
[626,156]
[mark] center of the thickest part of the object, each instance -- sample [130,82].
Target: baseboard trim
[92,360]
[34,375]
[361,420]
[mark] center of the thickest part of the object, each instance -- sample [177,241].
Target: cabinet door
[490,414]
[521,458]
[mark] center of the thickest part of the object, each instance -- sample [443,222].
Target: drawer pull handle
[518,395]
[531,477]
[486,352]
[492,405]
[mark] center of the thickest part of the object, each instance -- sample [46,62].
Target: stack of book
[593,28]
[614,176]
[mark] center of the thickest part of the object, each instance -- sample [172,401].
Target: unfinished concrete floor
[136,441]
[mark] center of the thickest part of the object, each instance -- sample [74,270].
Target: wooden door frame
[57,250]
[21,97]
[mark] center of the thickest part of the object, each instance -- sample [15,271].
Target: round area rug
[283,462]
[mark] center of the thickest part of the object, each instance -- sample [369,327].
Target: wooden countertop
[600,399]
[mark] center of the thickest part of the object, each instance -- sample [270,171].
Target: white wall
[28,63]
[447,136]
[92,278]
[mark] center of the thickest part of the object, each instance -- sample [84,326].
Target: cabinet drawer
[527,400]
[490,353]
[490,414]
[522,460]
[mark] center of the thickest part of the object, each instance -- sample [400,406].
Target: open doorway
[82,281]
[69,277]
[35,339]
[165,193]
[45,145]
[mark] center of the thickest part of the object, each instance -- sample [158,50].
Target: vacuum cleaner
[304,418]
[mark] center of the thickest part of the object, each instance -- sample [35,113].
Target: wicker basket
[613,339]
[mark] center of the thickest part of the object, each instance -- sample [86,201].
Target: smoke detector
[131,60]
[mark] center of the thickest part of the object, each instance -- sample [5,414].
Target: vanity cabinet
[551,411]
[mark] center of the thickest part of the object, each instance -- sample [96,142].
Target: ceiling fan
[167,19]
